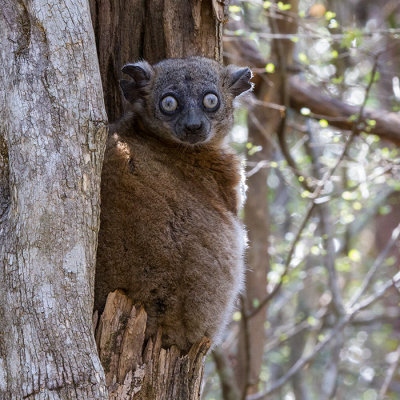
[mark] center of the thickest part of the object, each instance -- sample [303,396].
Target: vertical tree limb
[53,128]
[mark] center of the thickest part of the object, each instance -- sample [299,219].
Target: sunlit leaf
[267,4]
[270,68]
[303,58]
[312,321]
[283,7]
[334,54]
[354,255]
[329,15]
[237,316]
[234,9]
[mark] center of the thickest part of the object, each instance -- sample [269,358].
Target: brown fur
[169,233]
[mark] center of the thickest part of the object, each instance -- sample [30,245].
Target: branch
[230,391]
[378,262]
[394,282]
[302,94]
[389,375]
[338,113]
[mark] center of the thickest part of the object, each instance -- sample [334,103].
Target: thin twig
[343,321]
[287,263]
[389,375]
[378,262]
[326,228]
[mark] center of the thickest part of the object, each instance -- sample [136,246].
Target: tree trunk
[125,32]
[53,129]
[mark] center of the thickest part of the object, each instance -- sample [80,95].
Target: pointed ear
[238,79]
[141,72]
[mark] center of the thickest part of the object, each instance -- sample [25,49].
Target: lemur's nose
[193,121]
[193,126]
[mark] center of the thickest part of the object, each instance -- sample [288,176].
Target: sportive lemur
[169,233]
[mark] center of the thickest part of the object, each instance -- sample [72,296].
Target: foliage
[343,254]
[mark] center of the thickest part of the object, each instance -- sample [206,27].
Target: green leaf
[334,54]
[324,123]
[303,58]
[283,7]
[312,321]
[329,15]
[234,9]
[354,255]
[256,303]
[270,68]
[267,4]
[237,316]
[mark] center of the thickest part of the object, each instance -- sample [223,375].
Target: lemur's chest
[182,179]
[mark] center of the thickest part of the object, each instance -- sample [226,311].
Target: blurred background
[319,317]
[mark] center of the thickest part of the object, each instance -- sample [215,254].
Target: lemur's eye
[210,102]
[169,104]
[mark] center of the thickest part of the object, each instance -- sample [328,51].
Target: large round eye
[169,104]
[210,102]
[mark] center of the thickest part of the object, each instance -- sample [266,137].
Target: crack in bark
[24,38]
[4,180]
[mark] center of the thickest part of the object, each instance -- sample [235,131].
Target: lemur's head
[185,100]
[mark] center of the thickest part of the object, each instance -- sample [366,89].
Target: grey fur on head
[169,233]
[187,81]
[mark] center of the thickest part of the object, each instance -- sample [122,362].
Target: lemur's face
[189,110]
[185,100]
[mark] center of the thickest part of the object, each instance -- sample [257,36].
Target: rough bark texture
[52,135]
[129,30]
[138,370]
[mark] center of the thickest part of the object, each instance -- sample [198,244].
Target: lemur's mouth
[193,138]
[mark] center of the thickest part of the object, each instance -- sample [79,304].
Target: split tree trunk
[52,135]
[138,370]
[125,32]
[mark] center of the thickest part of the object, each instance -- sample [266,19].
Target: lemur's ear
[238,79]
[141,72]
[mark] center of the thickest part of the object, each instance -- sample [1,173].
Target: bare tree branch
[338,113]
[343,321]
[230,391]
[389,375]
[378,262]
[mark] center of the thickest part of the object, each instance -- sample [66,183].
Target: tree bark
[53,129]
[138,370]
